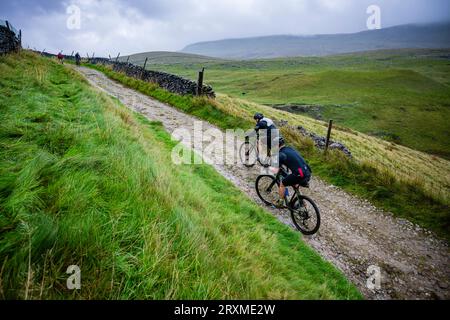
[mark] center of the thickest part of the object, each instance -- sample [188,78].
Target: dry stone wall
[167,81]
[8,41]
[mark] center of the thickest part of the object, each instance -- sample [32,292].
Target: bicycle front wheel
[248,154]
[305,214]
[267,189]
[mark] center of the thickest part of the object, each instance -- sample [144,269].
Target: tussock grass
[85,181]
[409,183]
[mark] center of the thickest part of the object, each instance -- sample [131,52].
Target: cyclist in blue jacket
[300,172]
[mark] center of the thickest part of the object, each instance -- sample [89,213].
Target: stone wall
[167,81]
[8,41]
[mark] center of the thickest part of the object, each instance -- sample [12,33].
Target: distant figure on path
[77,58]
[60,57]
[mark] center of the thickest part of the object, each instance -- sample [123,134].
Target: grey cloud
[144,25]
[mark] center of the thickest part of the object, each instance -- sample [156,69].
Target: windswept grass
[84,181]
[409,183]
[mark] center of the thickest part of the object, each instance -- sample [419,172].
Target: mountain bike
[304,212]
[249,153]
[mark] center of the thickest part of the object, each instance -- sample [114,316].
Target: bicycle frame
[296,189]
[256,144]
[297,204]
[247,142]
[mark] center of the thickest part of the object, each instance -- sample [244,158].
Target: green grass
[85,181]
[375,182]
[165,57]
[398,95]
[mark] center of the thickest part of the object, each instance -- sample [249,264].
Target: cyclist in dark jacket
[300,170]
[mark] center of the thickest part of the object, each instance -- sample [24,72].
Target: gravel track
[354,235]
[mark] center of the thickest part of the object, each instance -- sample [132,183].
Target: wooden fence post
[145,62]
[128,59]
[117,58]
[7,25]
[143,68]
[327,142]
[200,82]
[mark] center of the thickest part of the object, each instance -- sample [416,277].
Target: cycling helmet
[258,116]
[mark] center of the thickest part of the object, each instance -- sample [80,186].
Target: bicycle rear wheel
[248,154]
[305,214]
[264,161]
[267,189]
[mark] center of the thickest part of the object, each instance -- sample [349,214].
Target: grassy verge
[85,181]
[407,199]
[398,95]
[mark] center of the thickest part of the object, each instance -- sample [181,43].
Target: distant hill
[405,36]
[167,57]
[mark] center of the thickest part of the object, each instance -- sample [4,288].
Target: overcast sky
[127,26]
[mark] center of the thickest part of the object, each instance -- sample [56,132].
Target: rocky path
[354,235]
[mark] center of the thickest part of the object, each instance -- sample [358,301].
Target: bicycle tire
[242,155]
[294,215]
[261,193]
[265,164]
